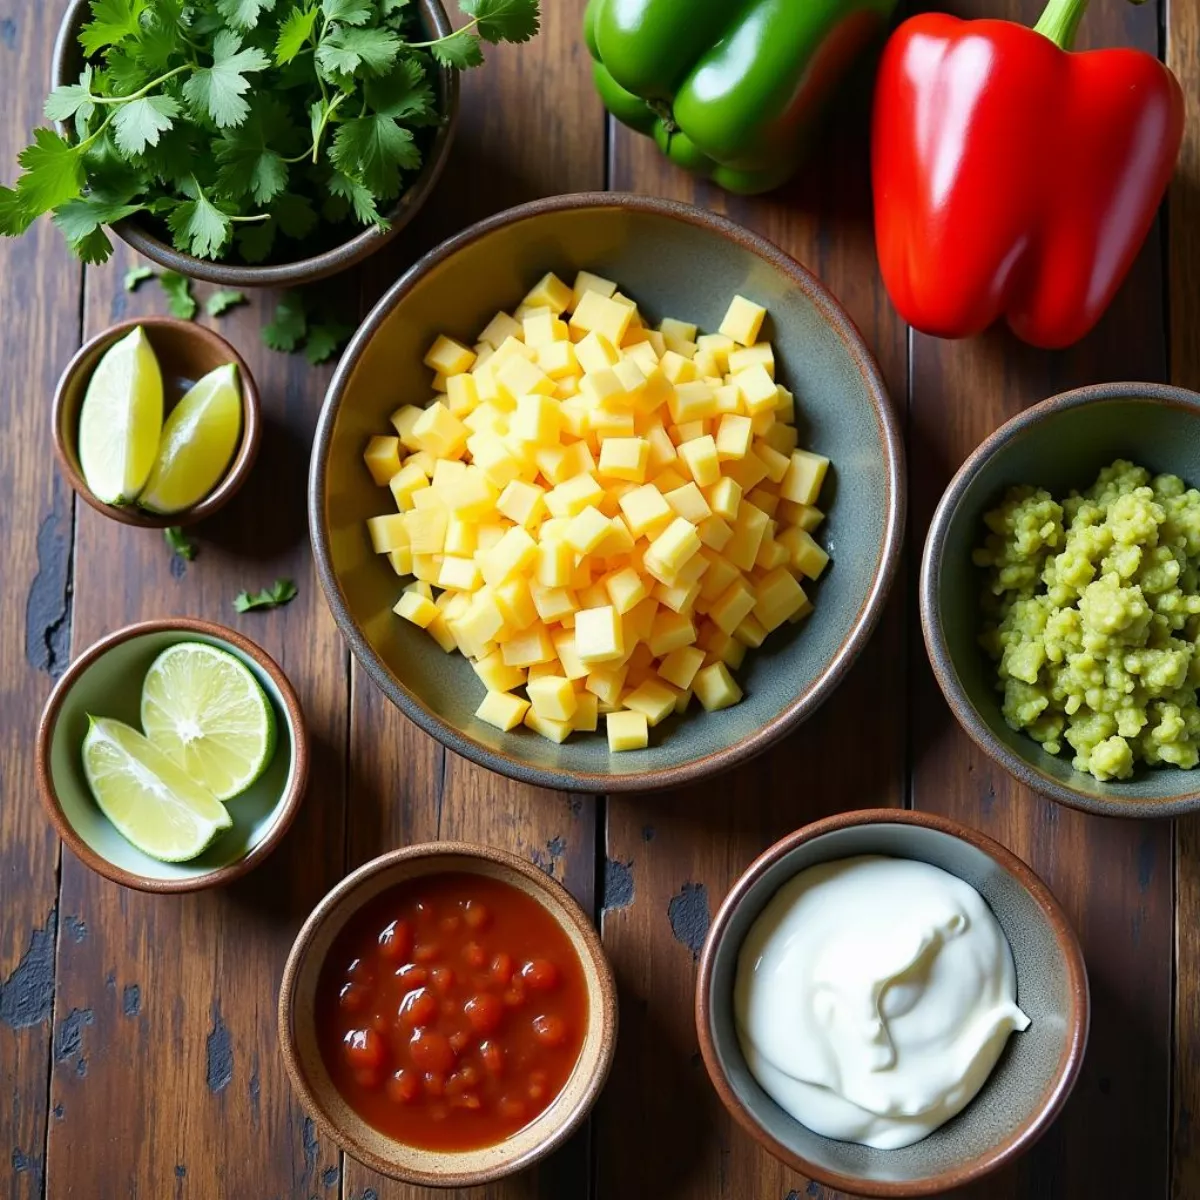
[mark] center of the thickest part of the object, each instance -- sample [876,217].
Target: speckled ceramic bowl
[106,681]
[675,261]
[1059,444]
[1036,1071]
[317,1092]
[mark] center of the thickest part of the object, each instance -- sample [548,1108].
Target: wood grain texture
[531,126]
[1113,877]
[670,858]
[1183,266]
[39,331]
[166,1065]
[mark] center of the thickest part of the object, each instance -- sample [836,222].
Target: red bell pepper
[1013,178]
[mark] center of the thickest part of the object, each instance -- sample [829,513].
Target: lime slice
[121,420]
[198,441]
[151,801]
[205,709]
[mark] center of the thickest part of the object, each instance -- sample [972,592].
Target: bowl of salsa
[448,1014]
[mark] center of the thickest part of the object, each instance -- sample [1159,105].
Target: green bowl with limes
[104,685]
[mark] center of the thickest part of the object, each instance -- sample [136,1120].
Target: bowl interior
[1064,450]
[410,1162]
[1028,1069]
[671,267]
[112,687]
[185,353]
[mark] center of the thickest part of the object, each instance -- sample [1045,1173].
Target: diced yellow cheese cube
[472,497]
[805,474]
[771,554]
[626,589]
[670,631]
[748,532]
[426,566]
[766,501]
[569,662]
[683,330]
[497,675]
[617,542]
[551,292]
[715,533]
[596,353]
[587,710]
[669,480]
[775,463]
[514,552]
[586,282]
[403,420]
[552,697]
[675,545]
[543,327]
[757,389]
[608,424]
[502,709]
[627,731]
[759,355]
[458,574]
[734,436]
[448,356]
[519,377]
[645,510]
[655,700]
[554,731]
[382,457]
[440,632]
[676,369]
[515,603]
[530,646]
[462,395]
[662,449]
[438,431]
[720,574]
[746,472]
[743,320]
[625,458]
[680,666]
[537,418]
[777,597]
[521,502]
[680,597]
[388,533]
[418,609]
[708,367]
[804,554]
[732,606]
[598,635]
[715,687]
[719,345]
[499,329]
[401,560]
[688,502]
[693,401]
[725,497]
[587,530]
[599,314]
[751,632]
[570,498]
[557,360]
[681,346]
[426,529]
[700,456]
[606,683]
[689,431]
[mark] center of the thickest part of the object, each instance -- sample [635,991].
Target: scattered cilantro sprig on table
[299,324]
[181,545]
[238,122]
[282,591]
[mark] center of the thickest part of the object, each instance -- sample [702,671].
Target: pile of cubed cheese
[600,514]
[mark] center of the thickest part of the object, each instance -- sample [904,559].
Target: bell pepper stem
[1059,21]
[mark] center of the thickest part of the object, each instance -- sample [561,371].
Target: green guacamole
[1092,615]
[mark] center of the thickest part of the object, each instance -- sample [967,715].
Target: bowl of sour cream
[892,1003]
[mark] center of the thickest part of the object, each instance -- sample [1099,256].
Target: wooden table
[138,1054]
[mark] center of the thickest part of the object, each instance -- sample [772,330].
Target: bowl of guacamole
[1060,598]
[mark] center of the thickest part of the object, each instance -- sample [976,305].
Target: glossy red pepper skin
[1014,179]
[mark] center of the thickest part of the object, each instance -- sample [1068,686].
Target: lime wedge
[205,709]
[121,420]
[151,801]
[197,444]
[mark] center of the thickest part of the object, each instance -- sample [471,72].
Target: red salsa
[451,1011]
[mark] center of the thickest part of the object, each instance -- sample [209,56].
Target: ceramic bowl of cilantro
[250,142]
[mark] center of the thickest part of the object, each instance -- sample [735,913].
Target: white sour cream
[873,997]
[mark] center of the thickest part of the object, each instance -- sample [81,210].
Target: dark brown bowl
[106,680]
[68,62]
[1035,1073]
[319,1096]
[185,352]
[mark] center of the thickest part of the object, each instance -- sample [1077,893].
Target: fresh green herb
[297,326]
[180,544]
[221,302]
[280,592]
[180,301]
[235,123]
[136,276]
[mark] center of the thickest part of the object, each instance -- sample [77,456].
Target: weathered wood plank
[166,1066]
[530,127]
[1113,877]
[1183,264]
[39,331]
[671,858]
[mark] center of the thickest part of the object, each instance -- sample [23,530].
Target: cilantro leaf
[256,241]
[294,214]
[80,223]
[200,228]
[503,20]
[280,592]
[112,21]
[294,33]
[390,8]
[357,195]
[375,149]
[244,14]
[15,218]
[136,276]
[461,50]
[404,94]
[53,173]
[289,325]
[251,156]
[181,545]
[346,51]
[348,12]
[140,123]
[325,339]
[220,302]
[180,301]
[71,99]
[218,90]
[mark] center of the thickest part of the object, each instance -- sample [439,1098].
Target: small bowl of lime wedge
[156,422]
[172,755]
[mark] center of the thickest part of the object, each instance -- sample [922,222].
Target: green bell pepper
[729,89]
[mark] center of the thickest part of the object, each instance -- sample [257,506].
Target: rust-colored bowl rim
[805,703]
[938,649]
[1066,1070]
[289,803]
[299,271]
[66,440]
[603,998]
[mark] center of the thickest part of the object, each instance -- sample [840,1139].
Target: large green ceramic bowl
[106,681]
[1059,444]
[674,261]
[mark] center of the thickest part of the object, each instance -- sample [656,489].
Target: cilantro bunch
[230,124]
